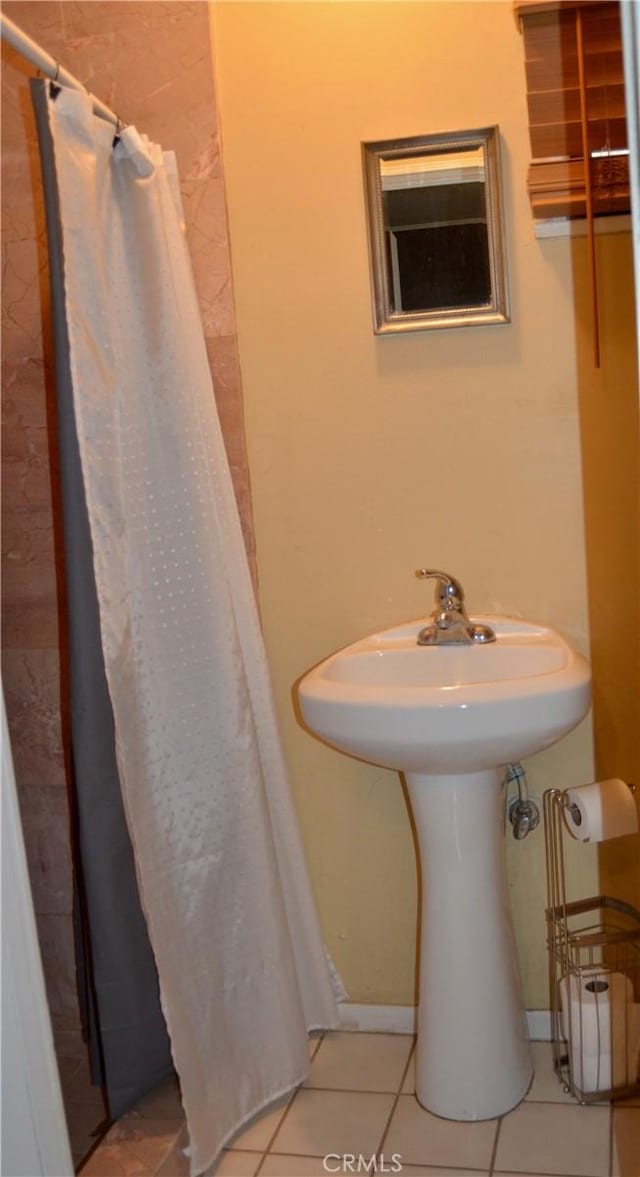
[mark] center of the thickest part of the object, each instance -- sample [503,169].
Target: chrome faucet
[451,623]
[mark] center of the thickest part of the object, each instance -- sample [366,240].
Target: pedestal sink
[450,717]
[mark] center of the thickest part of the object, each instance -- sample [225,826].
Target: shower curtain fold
[116,972]
[220,868]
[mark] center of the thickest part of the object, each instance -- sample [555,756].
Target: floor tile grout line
[358,1090]
[397,1098]
[386,1091]
[268,1149]
[559,1103]
[262,1160]
[394,1094]
[494,1151]
[318,1043]
[551,1103]
[281,1120]
[350,1091]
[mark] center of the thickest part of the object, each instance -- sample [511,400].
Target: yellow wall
[608,399]
[371,456]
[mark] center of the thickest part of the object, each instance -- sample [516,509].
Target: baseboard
[390,1019]
[539,1022]
[401,1019]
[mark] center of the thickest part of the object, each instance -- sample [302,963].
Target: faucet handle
[449,591]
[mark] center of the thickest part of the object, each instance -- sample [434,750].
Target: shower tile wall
[152,64]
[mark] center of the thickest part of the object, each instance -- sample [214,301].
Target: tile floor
[83,1104]
[360,1098]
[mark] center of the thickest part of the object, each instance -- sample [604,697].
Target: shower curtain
[218,860]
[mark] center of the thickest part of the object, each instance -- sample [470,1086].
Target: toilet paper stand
[594,978]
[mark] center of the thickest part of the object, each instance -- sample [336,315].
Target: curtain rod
[23,44]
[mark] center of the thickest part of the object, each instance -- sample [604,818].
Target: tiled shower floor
[360,1099]
[83,1104]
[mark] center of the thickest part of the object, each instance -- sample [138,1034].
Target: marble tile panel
[163,1103]
[215,294]
[81,1144]
[24,395]
[68,1044]
[78,1089]
[243,496]
[30,584]
[55,934]
[37,19]
[115,1160]
[176,1162]
[85,1125]
[207,163]
[27,537]
[25,451]
[18,127]
[225,371]
[206,217]
[45,824]
[68,1066]
[151,64]
[20,197]
[21,310]
[32,693]
[133,1147]
[26,477]
[34,625]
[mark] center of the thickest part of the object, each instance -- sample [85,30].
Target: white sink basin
[448,708]
[448,716]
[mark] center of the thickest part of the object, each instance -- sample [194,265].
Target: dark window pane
[444,267]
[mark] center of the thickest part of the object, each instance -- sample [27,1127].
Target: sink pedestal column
[473,1060]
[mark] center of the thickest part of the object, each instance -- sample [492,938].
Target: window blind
[556,178]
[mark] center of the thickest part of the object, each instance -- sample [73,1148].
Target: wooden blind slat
[554,106]
[551,141]
[607,70]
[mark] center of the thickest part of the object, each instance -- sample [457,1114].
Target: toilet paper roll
[602,1025]
[603,810]
[602,1073]
[594,1009]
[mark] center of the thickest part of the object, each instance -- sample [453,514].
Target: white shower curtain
[221,874]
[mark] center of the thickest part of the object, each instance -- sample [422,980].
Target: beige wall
[371,456]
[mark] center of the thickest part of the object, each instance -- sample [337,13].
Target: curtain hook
[119,129]
[54,87]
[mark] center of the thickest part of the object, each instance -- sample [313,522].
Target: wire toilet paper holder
[594,978]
